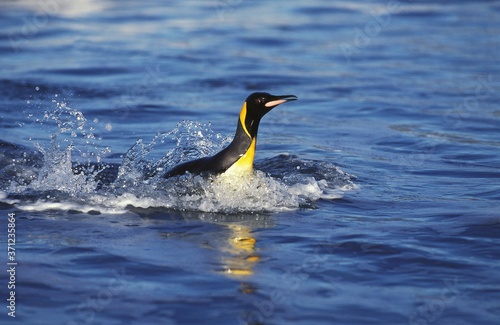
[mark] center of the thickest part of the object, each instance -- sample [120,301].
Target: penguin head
[259,104]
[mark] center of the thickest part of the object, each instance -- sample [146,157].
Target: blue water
[376,196]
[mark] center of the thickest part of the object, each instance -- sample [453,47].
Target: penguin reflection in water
[237,158]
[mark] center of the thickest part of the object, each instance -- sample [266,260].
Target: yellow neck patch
[243,116]
[244,165]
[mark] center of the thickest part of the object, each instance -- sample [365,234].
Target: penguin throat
[249,123]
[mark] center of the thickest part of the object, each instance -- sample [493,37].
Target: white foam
[257,193]
[41,205]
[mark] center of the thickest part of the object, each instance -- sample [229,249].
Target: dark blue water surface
[377,192]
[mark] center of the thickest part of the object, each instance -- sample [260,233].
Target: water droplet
[109,127]
[37,88]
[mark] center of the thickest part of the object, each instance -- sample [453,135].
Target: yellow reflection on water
[241,255]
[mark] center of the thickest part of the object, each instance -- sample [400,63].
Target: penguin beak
[277,100]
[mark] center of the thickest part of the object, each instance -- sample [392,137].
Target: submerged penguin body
[238,156]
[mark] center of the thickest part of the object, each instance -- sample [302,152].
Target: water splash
[74,142]
[83,182]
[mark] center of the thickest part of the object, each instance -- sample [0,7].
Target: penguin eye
[258,101]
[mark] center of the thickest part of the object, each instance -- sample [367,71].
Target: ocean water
[375,198]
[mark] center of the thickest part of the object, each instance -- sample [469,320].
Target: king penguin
[237,158]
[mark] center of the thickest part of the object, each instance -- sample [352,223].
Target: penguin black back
[238,156]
